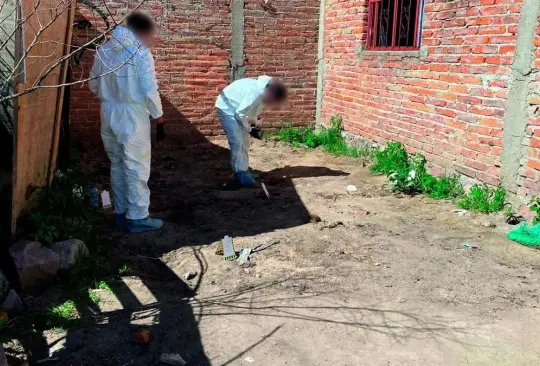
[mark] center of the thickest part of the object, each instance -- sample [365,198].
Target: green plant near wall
[534,206]
[482,198]
[63,210]
[407,173]
[330,138]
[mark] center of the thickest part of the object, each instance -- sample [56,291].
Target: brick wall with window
[192,62]
[432,74]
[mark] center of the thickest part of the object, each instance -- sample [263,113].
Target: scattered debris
[249,359]
[219,249]
[12,302]
[314,218]
[514,219]
[378,264]
[49,359]
[69,251]
[37,265]
[265,190]
[462,212]
[469,246]
[106,199]
[351,189]
[366,212]
[261,247]
[243,258]
[489,224]
[335,224]
[94,197]
[190,275]
[228,249]
[172,359]
[143,337]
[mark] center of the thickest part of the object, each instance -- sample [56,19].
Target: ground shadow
[186,181]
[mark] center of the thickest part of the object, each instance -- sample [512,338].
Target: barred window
[394,25]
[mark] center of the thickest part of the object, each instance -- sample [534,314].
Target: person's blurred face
[269,99]
[147,38]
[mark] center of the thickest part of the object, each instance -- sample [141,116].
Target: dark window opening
[394,25]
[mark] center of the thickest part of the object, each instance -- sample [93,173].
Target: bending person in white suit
[238,107]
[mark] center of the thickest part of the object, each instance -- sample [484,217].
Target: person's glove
[256,132]
[160,132]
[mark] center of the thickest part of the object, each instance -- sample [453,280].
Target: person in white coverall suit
[238,107]
[123,77]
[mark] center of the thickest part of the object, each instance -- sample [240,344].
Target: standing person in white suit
[123,78]
[238,107]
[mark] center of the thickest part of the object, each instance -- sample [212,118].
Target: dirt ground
[381,280]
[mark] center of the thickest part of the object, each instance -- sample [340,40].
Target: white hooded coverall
[239,105]
[124,79]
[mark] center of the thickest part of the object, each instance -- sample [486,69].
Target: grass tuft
[407,173]
[482,198]
[329,138]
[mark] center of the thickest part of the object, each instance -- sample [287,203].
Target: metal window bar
[394,25]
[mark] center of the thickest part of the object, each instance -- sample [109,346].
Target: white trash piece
[351,189]
[106,199]
[265,190]
[228,249]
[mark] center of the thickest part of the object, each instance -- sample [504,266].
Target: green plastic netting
[526,235]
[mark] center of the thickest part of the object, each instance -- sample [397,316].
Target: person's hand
[158,120]
[256,132]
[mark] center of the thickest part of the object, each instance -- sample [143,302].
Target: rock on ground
[69,251]
[12,302]
[37,265]
[172,359]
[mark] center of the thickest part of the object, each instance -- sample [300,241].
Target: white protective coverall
[239,105]
[124,79]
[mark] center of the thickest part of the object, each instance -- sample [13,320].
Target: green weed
[93,296]
[482,198]
[407,173]
[62,317]
[67,310]
[124,271]
[62,210]
[534,206]
[102,285]
[329,138]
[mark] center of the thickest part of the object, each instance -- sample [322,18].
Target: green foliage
[62,210]
[407,173]
[330,138]
[483,199]
[443,187]
[534,206]
[393,158]
[102,285]
[93,296]
[63,316]
[124,271]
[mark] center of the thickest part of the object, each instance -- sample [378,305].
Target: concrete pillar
[320,64]
[515,121]
[237,40]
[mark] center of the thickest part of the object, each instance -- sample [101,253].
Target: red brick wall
[281,40]
[448,103]
[192,62]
